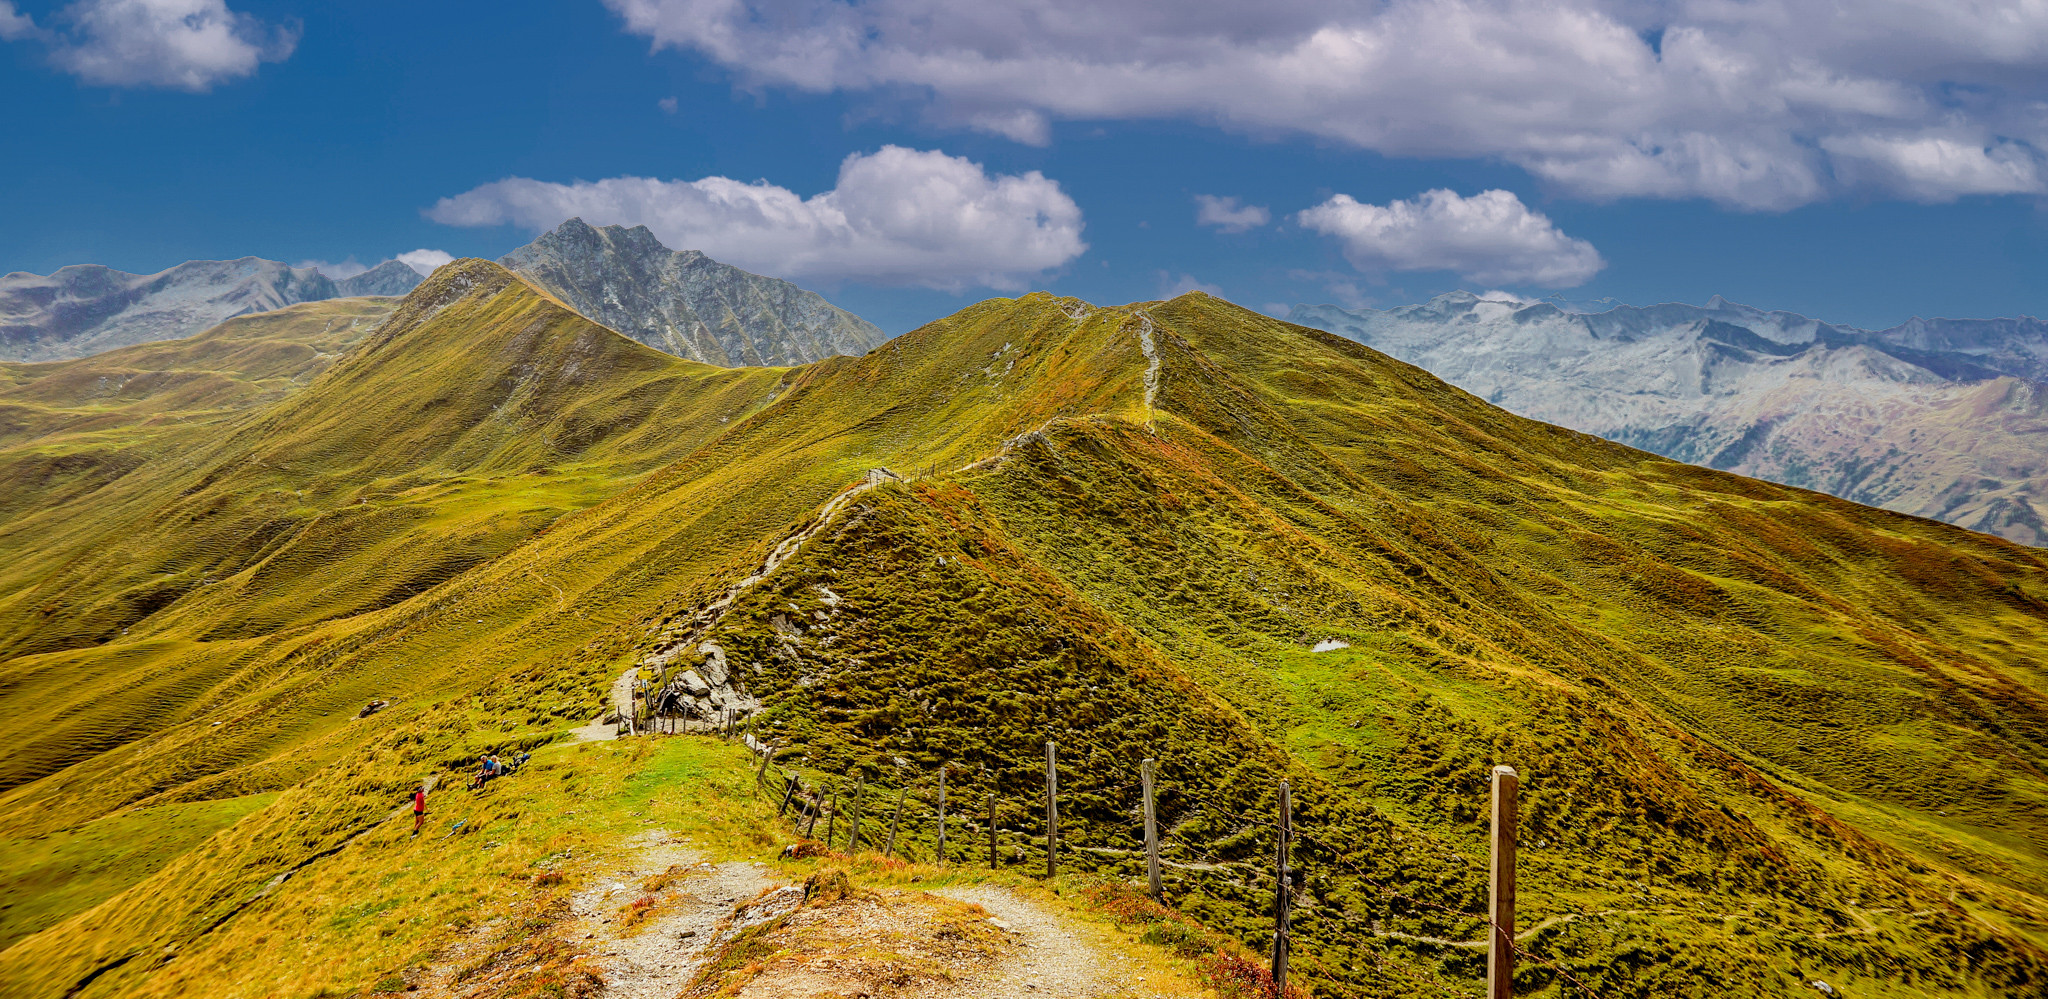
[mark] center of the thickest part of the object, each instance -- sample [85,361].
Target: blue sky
[1042,144]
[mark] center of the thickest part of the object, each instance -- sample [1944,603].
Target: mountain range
[685,303]
[1939,418]
[1767,736]
[87,308]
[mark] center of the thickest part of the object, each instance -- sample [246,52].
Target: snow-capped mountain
[88,308]
[1944,418]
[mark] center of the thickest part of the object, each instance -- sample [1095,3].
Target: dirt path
[655,959]
[598,730]
[1052,959]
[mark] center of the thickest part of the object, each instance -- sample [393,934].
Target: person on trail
[419,808]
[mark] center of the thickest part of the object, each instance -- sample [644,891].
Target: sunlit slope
[757,451]
[68,427]
[1731,699]
[1767,735]
[477,415]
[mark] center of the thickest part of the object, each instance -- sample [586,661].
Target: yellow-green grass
[388,901]
[67,428]
[44,879]
[1740,708]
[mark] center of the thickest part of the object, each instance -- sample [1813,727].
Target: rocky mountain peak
[388,278]
[685,303]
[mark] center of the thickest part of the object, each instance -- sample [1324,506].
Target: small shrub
[827,886]
[1235,977]
[805,849]
[1183,939]
[637,910]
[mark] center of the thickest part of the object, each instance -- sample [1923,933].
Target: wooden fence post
[761,776]
[1052,810]
[789,793]
[1151,832]
[942,816]
[817,805]
[860,787]
[895,821]
[1283,888]
[831,821]
[1500,950]
[991,831]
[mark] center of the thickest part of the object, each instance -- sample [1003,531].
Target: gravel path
[1052,960]
[656,960]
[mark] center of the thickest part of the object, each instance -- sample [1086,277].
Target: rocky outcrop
[1942,418]
[686,303]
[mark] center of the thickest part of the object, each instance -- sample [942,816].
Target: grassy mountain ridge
[1767,735]
[74,425]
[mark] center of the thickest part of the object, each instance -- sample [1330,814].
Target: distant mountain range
[1943,418]
[685,303]
[680,302]
[87,308]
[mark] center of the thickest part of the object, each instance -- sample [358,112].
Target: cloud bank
[897,217]
[178,44]
[1765,104]
[1489,238]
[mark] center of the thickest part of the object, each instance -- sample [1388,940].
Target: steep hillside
[68,427]
[1938,418]
[86,308]
[1768,736]
[684,302]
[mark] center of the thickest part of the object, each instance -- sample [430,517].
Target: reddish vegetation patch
[1234,977]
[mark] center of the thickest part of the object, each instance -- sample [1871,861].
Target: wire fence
[867,808]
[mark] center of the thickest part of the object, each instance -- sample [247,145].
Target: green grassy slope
[1766,735]
[68,427]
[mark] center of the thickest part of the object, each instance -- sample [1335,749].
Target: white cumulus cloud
[1489,238]
[1763,104]
[180,44]
[1229,216]
[423,261]
[896,216]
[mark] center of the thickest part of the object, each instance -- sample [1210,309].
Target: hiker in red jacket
[419,808]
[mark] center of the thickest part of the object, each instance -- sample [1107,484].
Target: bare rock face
[685,303]
[1943,418]
[389,278]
